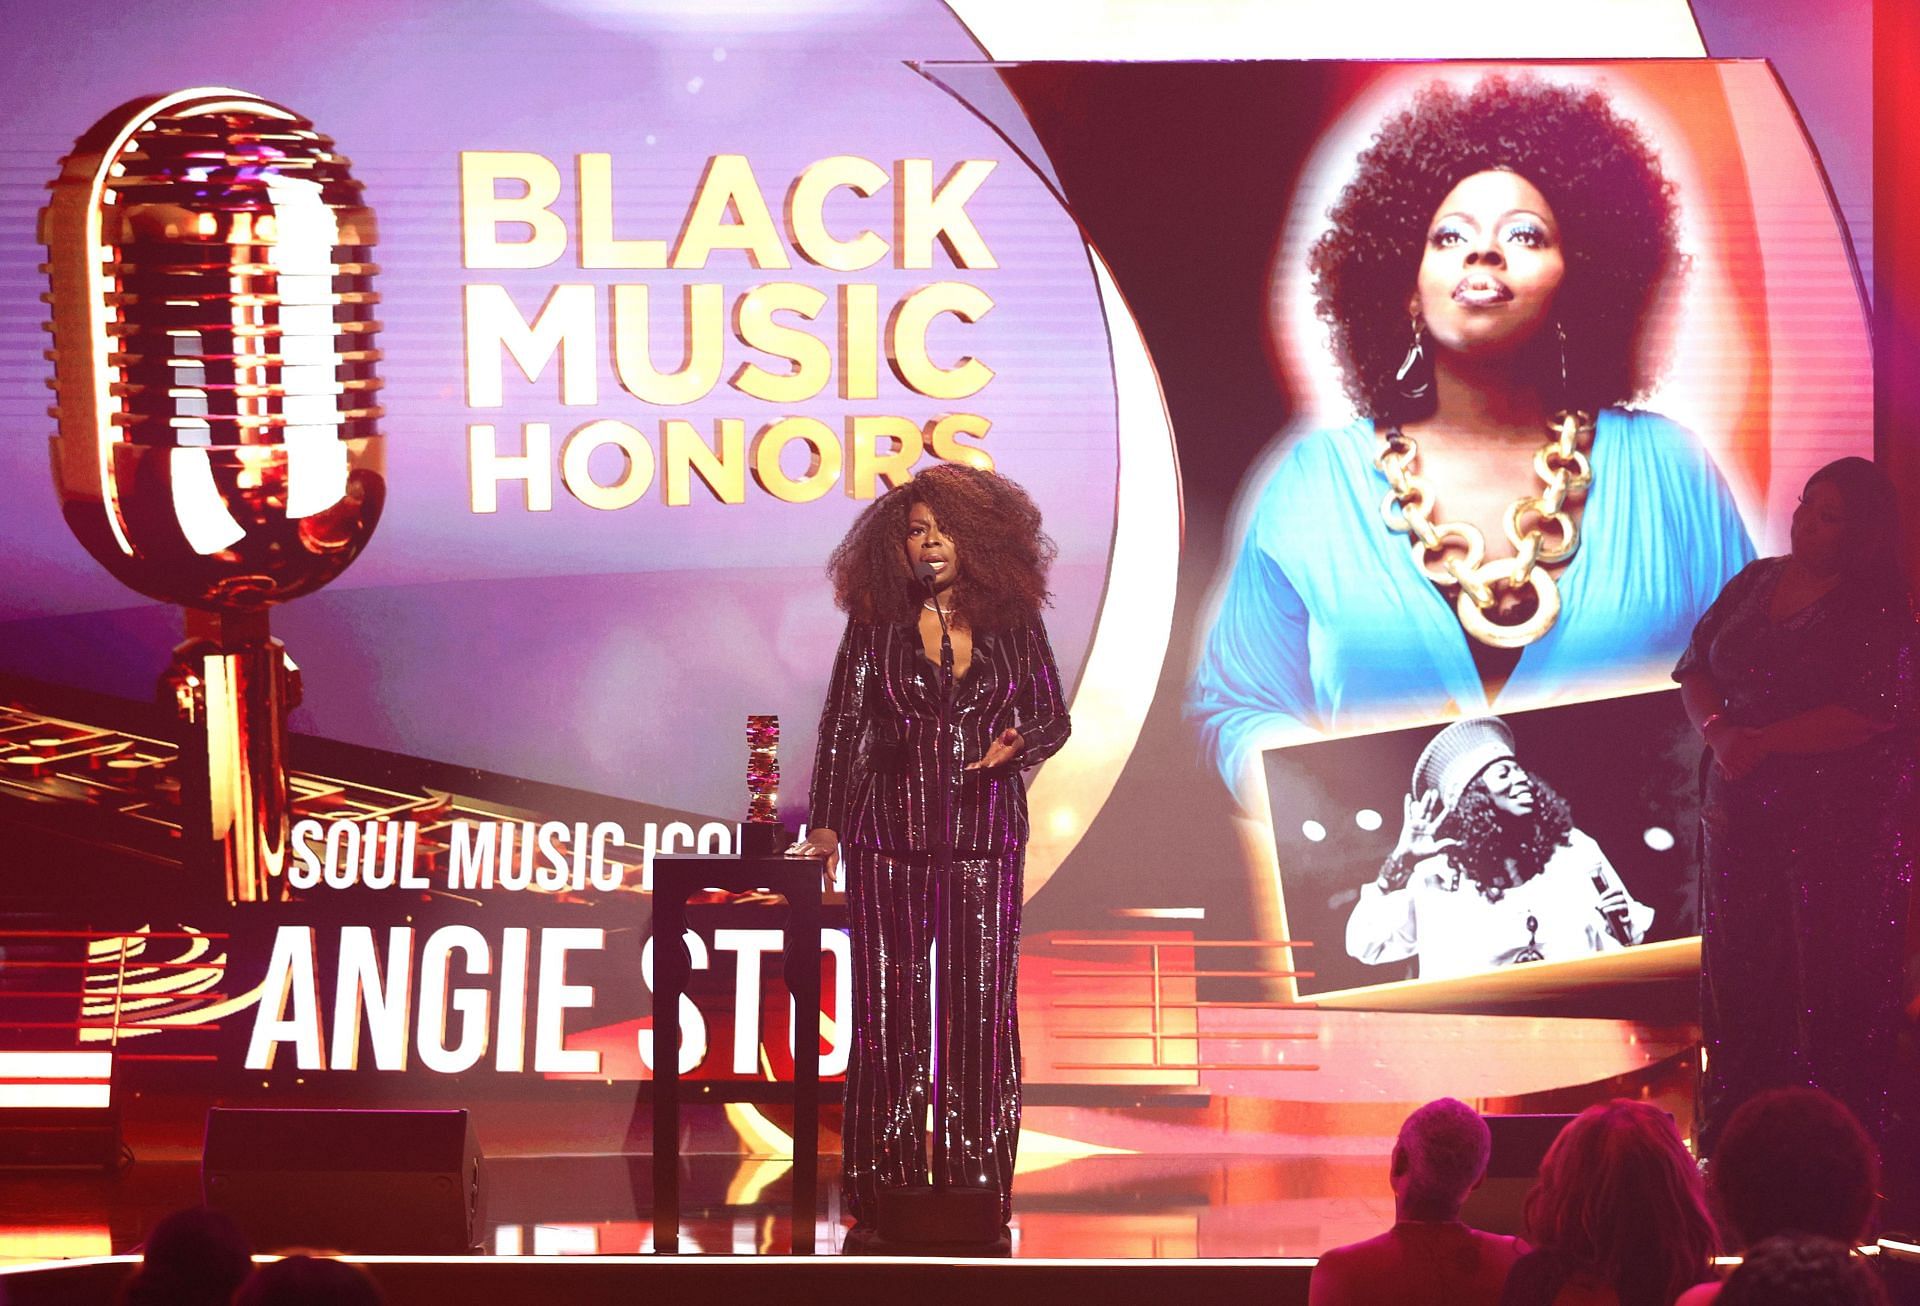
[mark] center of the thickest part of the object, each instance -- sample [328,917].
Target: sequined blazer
[881,762]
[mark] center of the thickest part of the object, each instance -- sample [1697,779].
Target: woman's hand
[1615,902]
[1005,747]
[1418,840]
[1736,749]
[822,843]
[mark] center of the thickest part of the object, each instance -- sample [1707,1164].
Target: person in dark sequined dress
[1801,679]
[933,823]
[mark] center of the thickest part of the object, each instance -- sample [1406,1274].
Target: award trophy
[217,445]
[763,835]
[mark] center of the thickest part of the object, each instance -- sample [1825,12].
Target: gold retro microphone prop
[209,261]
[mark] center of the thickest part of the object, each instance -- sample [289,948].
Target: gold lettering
[482,211]
[702,311]
[923,213]
[807,220]
[946,430]
[867,466]
[487,467]
[728,185]
[576,472]
[599,248]
[684,453]
[755,327]
[823,466]
[859,341]
[907,340]
[564,325]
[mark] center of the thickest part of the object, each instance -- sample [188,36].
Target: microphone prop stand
[942,1219]
[233,684]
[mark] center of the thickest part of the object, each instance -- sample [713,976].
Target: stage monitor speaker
[1519,1144]
[393,1182]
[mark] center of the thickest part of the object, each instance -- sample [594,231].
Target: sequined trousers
[894,903]
[1806,872]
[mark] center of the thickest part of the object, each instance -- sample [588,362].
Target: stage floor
[1126,1230]
[1240,1162]
[1199,1175]
[1102,1207]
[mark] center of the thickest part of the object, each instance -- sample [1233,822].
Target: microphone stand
[942,873]
[942,1218]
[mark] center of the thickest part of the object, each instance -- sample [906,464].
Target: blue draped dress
[1328,626]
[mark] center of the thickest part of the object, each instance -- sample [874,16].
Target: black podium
[797,880]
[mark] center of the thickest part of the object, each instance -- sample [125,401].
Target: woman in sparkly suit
[932,821]
[1801,680]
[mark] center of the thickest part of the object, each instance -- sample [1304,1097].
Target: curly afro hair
[1795,1159]
[1491,840]
[1004,555]
[1799,1270]
[1616,212]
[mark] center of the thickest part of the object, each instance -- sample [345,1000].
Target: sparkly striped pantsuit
[896,905]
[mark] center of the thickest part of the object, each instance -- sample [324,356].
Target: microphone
[926,574]
[210,275]
[1619,921]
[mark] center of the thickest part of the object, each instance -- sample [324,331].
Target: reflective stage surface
[1121,1207]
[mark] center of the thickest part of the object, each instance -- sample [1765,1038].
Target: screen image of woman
[1489,869]
[943,692]
[1496,522]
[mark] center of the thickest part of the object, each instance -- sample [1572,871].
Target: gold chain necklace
[1453,554]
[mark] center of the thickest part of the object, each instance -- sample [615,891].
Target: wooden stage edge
[729,1280]
[794,1280]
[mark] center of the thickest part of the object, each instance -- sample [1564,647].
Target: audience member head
[309,1281]
[192,1256]
[1440,1156]
[1795,1160]
[1849,519]
[1802,1270]
[1620,1199]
